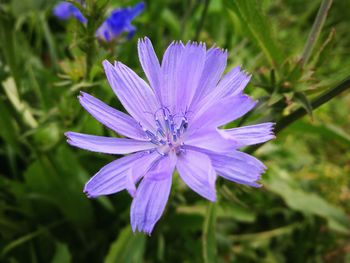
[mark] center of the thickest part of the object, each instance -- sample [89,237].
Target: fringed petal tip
[194,46]
[217,50]
[68,137]
[144,40]
[106,64]
[177,43]
[88,195]
[256,185]
[272,128]
[147,229]
[212,197]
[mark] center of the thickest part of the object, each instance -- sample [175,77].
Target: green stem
[201,22]
[49,39]
[209,238]
[315,30]
[301,112]
[89,57]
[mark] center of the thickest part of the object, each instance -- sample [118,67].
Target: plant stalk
[301,112]
[315,30]
[203,17]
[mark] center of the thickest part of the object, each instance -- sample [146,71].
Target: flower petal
[232,84]
[136,10]
[112,178]
[150,63]
[237,166]
[210,139]
[189,74]
[223,111]
[133,92]
[169,77]
[214,66]
[196,171]
[65,11]
[107,144]
[249,135]
[111,118]
[151,197]
[140,169]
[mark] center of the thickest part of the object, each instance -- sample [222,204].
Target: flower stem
[201,22]
[315,30]
[301,112]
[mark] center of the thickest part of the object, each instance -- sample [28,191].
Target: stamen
[152,137]
[161,132]
[161,153]
[167,131]
[183,125]
[160,127]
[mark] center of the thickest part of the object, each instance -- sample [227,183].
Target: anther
[161,132]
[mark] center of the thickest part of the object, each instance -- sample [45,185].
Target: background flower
[119,21]
[66,10]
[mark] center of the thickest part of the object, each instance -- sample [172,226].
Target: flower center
[168,131]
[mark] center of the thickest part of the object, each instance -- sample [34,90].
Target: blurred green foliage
[300,215]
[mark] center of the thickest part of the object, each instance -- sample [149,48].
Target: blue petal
[66,10]
[231,85]
[118,22]
[196,171]
[249,135]
[114,177]
[107,144]
[215,63]
[112,118]
[238,167]
[150,64]
[169,76]
[222,112]
[189,72]
[133,92]
[151,197]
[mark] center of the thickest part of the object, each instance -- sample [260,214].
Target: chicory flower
[174,123]
[118,22]
[65,10]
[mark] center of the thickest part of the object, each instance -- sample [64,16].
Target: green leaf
[128,247]
[307,203]
[23,108]
[8,45]
[209,238]
[172,22]
[62,254]
[59,180]
[326,131]
[258,28]
[26,238]
[304,102]
[228,211]
[8,130]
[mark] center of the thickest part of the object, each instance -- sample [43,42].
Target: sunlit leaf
[208,238]
[308,203]
[62,254]
[258,27]
[128,247]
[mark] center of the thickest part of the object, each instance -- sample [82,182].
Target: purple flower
[118,22]
[173,123]
[65,10]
